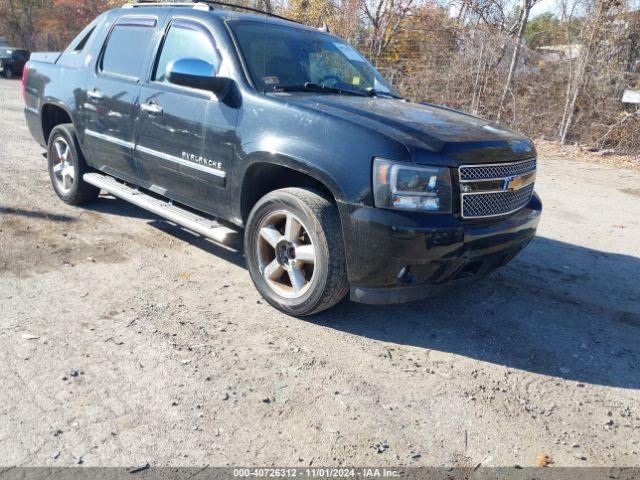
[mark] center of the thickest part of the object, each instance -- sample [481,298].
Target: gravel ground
[126,340]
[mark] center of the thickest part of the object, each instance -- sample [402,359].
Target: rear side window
[78,43]
[185,40]
[82,43]
[126,50]
[72,56]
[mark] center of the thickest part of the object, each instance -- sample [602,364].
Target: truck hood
[424,128]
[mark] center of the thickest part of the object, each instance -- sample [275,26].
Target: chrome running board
[204,226]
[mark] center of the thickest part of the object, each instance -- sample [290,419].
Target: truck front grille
[495,189]
[497,203]
[495,171]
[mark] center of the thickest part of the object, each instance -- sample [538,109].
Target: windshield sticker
[355,80]
[349,52]
[271,80]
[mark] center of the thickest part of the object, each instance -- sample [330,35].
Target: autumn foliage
[559,75]
[47,24]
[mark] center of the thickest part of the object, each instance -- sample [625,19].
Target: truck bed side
[54,81]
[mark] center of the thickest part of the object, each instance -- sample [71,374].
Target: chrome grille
[486,172]
[495,189]
[497,203]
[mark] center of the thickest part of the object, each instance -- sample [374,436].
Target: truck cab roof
[221,10]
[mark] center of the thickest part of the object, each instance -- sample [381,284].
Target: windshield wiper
[316,87]
[383,93]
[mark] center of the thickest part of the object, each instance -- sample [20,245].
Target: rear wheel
[295,251]
[8,73]
[67,165]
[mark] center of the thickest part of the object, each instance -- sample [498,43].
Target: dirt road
[126,340]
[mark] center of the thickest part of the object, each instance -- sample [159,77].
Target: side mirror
[194,73]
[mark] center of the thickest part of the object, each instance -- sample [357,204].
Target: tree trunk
[524,18]
[477,86]
[22,23]
[570,107]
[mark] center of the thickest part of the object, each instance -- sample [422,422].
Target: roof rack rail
[203,3]
[156,3]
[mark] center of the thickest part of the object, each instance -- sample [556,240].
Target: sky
[541,7]
[544,6]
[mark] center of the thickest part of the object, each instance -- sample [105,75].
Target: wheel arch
[51,116]
[266,175]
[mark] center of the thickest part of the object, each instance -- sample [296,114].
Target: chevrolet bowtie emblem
[514,183]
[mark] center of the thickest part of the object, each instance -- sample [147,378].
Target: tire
[274,253]
[8,73]
[66,165]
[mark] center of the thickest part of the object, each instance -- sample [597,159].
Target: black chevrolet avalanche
[12,61]
[233,124]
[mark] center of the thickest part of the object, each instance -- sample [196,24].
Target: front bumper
[395,257]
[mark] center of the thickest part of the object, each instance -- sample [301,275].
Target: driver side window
[185,40]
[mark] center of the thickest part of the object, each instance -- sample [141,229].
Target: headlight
[411,187]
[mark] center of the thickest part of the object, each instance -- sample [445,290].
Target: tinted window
[78,43]
[126,49]
[185,40]
[84,40]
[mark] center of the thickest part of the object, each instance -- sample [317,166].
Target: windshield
[6,52]
[280,57]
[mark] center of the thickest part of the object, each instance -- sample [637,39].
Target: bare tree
[592,31]
[385,18]
[567,12]
[17,17]
[523,19]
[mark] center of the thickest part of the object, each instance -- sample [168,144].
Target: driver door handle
[151,108]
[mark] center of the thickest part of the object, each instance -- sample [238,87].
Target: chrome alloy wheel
[63,170]
[286,254]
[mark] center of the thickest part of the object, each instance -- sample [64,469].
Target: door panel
[185,136]
[110,108]
[110,126]
[173,143]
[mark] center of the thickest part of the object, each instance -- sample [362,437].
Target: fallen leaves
[554,150]
[544,460]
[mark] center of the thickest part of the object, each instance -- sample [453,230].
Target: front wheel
[8,73]
[295,252]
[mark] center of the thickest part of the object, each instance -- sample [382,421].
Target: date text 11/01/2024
[317,472]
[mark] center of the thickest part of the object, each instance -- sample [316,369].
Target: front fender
[335,151]
[317,171]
